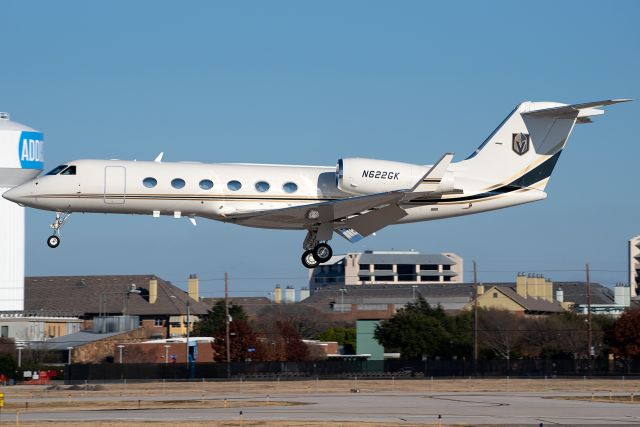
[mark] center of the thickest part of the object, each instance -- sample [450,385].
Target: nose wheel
[54,240]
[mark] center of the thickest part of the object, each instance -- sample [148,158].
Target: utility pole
[475,318]
[188,327]
[589,330]
[226,323]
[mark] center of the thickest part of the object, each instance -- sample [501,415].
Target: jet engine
[367,176]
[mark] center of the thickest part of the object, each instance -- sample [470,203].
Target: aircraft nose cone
[16,194]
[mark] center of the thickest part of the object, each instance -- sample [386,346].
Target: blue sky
[310,82]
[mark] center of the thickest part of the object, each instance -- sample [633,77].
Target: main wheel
[53,241]
[322,252]
[308,260]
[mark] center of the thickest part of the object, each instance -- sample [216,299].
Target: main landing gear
[316,252]
[54,240]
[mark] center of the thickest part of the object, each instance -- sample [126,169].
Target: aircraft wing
[318,213]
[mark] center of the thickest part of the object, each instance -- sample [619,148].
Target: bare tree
[500,332]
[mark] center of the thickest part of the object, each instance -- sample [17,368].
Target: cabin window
[234,185]
[262,186]
[206,184]
[149,182]
[178,183]
[71,170]
[56,170]
[290,187]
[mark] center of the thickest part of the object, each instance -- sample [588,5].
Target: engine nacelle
[368,176]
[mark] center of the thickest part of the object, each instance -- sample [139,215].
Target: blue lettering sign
[31,150]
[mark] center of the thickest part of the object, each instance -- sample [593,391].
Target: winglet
[158,159]
[436,173]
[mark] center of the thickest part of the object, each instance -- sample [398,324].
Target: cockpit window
[56,170]
[71,170]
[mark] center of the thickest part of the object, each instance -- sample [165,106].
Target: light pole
[19,356]
[120,347]
[166,353]
[69,355]
[342,291]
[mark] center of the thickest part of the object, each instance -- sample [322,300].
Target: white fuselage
[115,186]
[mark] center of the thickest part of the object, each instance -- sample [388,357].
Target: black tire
[308,260]
[322,252]
[53,241]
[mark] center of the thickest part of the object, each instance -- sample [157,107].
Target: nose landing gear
[54,240]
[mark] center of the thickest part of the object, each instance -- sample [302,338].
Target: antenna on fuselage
[158,159]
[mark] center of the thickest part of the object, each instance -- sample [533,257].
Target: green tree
[417,330]
[344,336]
[8,362]
[212,323]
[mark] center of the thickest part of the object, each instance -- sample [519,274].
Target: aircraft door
[115,179]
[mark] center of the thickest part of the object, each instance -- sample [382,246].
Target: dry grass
[264,388]
[233,423]
[89,405]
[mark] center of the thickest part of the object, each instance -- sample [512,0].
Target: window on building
[206,184]
[158,321]
[364,267]
[495,295]
[4,332]
[407,272]
[234,185]
[388,267]
[447,278]
[262,186]
[431,267]
[290,187]
[430,278]
[364,278]
[446,267]
[178,183]
[149,182]
[384,278]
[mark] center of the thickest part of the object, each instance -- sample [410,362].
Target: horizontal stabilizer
[577,110]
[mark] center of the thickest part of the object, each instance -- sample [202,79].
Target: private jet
[354,199]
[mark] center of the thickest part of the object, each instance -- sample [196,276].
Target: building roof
[90,295]
[576,292]
[74,340]
[251,305]
[531,304]
[395,257]
[451,296]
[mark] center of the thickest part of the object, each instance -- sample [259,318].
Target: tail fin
[524,148]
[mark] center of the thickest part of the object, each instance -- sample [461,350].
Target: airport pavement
[454,408]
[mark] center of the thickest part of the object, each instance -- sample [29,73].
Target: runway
[475,408]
